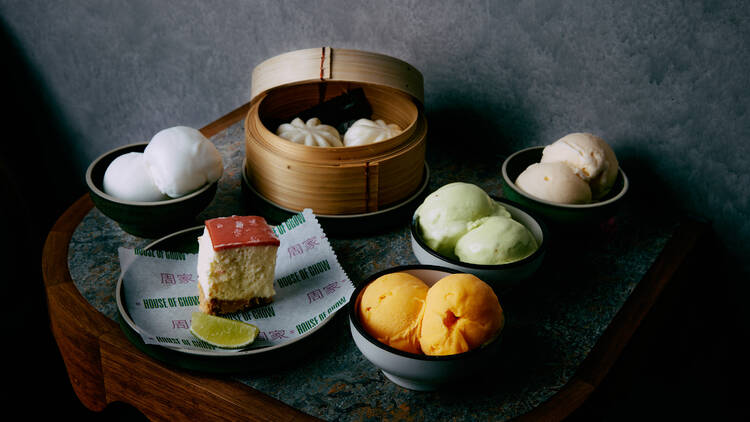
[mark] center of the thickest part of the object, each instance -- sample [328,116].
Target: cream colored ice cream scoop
[590,157]
[554,182]
[391,310]
[180,160]
[496,240]
[445,214]
[126,178]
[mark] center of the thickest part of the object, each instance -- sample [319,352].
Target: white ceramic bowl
[501,276]
[412,371]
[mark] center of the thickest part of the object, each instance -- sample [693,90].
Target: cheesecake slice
[236,264]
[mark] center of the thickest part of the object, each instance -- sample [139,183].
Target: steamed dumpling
[181,159]
[365,131]
[126,178]
[312,133]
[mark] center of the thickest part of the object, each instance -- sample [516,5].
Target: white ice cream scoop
[590,157]
[180,160]
[126,178]
[555,182]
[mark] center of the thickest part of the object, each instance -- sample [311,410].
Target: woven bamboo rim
[337,64]
[341,180]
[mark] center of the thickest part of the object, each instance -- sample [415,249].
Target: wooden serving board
[564,333]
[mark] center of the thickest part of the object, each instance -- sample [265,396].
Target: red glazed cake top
[237,231]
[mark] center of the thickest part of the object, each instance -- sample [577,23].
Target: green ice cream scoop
[495,240]
[446,214]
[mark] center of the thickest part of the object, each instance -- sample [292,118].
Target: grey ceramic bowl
[412,371]
[555,213]
[145,219]
[501,276]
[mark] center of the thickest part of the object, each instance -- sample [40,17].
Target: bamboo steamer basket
[335,180]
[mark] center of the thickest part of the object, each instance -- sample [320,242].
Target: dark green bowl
[145,219]
[554,213]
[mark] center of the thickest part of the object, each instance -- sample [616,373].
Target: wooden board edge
[130,377]
[225,121]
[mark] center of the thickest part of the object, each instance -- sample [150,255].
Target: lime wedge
[222,332]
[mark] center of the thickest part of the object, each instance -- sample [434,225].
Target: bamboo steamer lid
[337,180]
[328,64]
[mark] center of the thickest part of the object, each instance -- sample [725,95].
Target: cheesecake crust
[215,306]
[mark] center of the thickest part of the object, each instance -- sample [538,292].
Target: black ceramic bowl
[145,219]
[555,213]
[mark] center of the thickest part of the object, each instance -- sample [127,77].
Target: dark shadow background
[37,184]
[679,365]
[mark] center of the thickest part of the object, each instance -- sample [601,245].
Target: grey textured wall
[666,83]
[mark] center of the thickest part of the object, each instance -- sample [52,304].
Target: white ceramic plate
[186,240]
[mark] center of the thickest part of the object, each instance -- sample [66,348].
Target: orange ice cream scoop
[461,313]
[391,310]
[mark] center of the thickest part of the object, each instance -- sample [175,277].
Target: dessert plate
[341,225]
[257,359]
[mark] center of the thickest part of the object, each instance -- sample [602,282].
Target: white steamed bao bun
[180,160]
[312,133]
[366,131]
[126,178]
